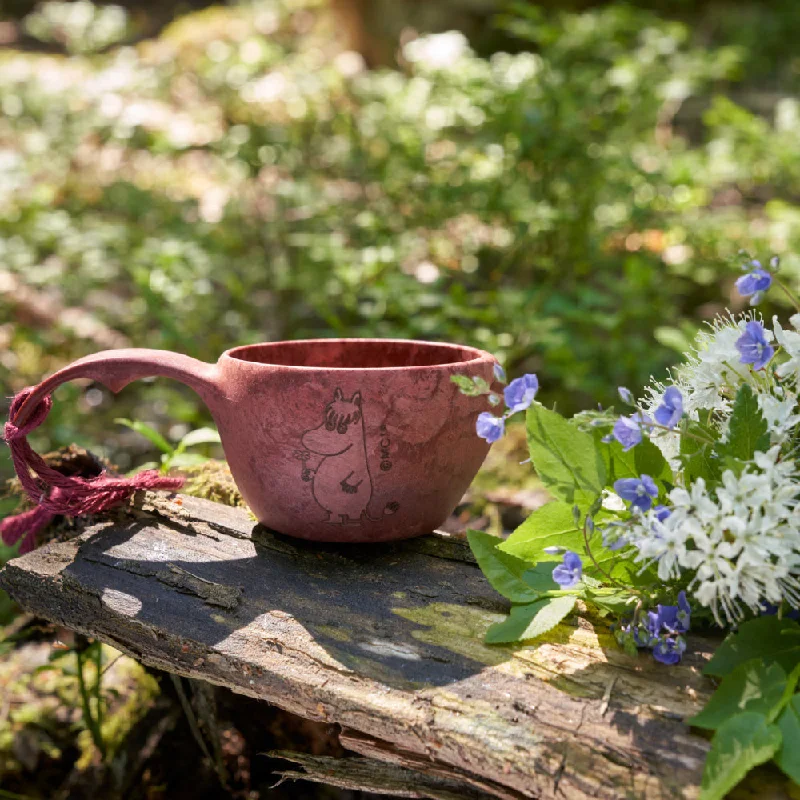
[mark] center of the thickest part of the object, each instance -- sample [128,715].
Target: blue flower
[639,492]
[662,512]
[753,346]
[653,627]
[754,284]
[669,650]
[568,573]
[490,427]
[625,395]
[520,392]
[670,411]
[675,619]
[628,430]
[499,373]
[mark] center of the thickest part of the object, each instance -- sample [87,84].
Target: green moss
[213,481]
[333,632]
[460,629]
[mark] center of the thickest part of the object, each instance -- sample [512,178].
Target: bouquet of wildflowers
[686,506]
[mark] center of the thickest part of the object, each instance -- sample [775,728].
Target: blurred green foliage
[570,207]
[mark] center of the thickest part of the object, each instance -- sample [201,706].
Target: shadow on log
[386,641]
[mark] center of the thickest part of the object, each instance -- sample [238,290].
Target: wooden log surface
[386,641]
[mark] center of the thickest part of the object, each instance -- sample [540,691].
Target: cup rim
[477,355]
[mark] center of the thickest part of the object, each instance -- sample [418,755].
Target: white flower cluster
[743,544]
[713,372]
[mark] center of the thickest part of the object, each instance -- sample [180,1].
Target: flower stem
[594,560]
[694,436]
[654,424]
[88,718]
[795,302]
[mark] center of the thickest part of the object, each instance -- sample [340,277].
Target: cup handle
[115,369]
[53,493]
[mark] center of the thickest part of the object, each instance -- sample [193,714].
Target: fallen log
[385,641]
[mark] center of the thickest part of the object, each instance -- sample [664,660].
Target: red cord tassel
[53,493]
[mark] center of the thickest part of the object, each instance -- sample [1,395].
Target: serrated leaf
[747,429]
[530,621]
[502,570]
[743,742]
[564,457]
[771,639]
[152,435]
[788,758]
[752,686]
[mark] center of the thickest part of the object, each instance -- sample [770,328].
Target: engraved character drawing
[341,482]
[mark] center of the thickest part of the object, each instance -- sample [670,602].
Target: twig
[607,696]
[195,728]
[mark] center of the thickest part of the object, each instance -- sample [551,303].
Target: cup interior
[356,354]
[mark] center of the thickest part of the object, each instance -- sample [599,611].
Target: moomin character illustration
[341,482]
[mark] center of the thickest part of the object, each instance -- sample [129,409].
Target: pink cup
[339,440]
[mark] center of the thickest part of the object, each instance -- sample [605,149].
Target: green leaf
[613,601]
[540,577]
[564,457]
[530,621]
[747,430]
[198,436]
[502,570]
[554,525]
[481,385]
[771,639]
[752,686]
[743,742]
[631,574]
[465,385]
[788,692]
[788,759]
[149,433]
[147,465]
[699,461]
[644,459]
[181,460]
